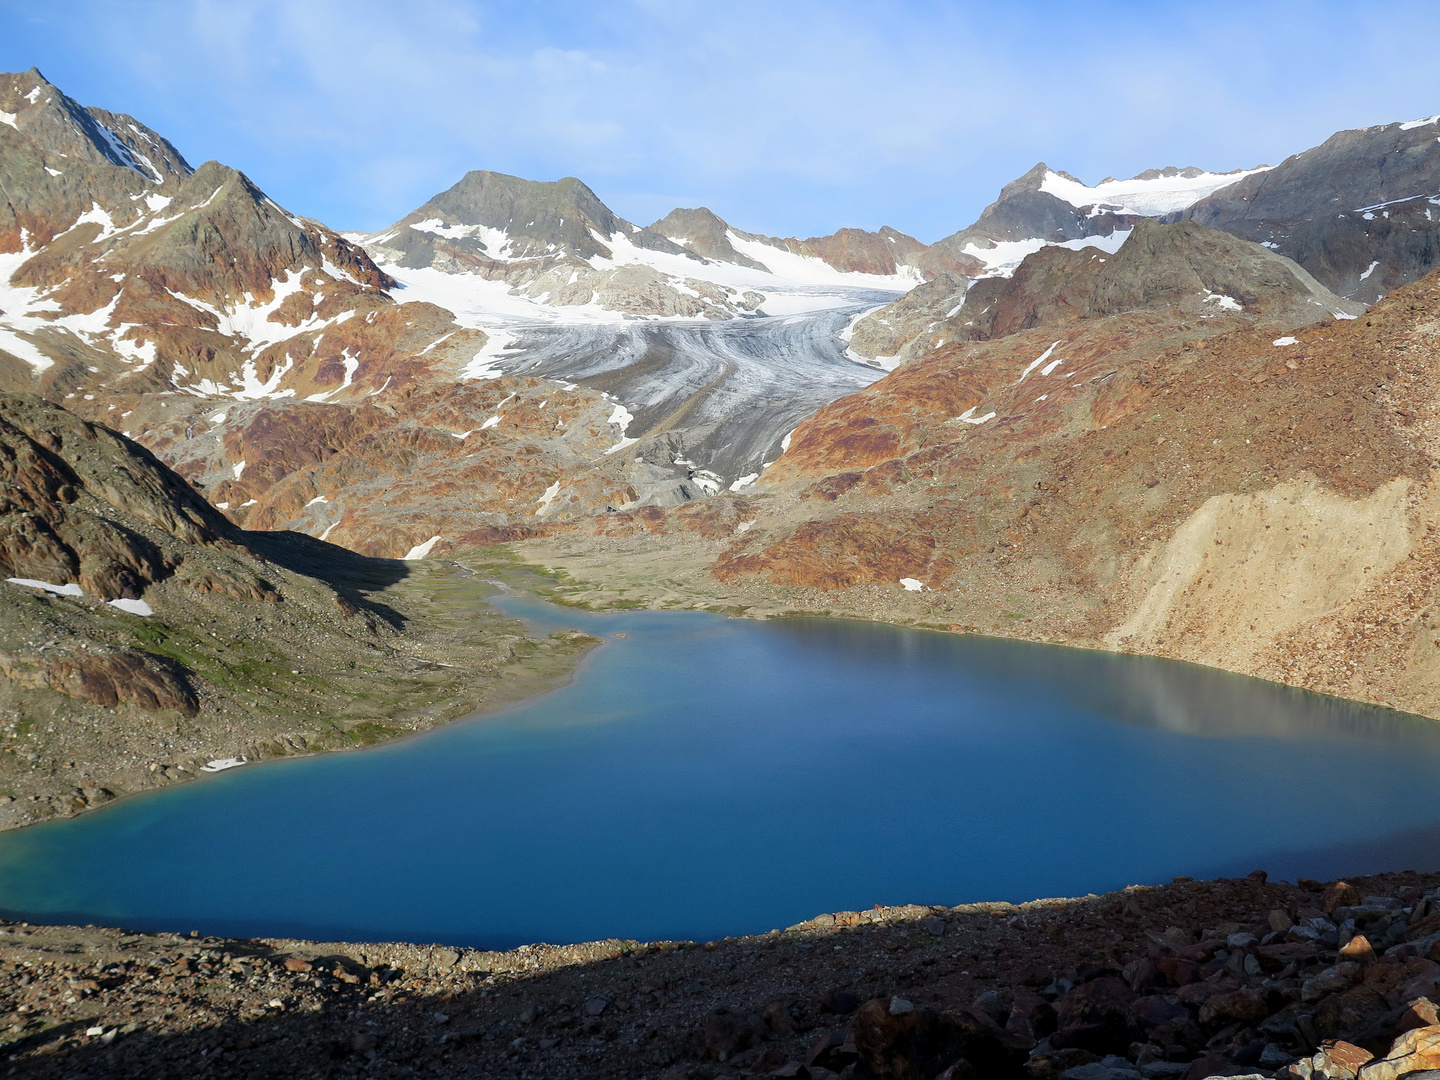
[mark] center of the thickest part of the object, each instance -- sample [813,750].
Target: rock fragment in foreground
[1187,980]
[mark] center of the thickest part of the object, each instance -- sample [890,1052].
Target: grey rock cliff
[1361,211]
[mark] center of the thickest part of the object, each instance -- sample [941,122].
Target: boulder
[1358,950]
[1417,1013]
[1340,1060]
[1341,894]
[1109,1068]
[919,1043]
[992,1005]
[1350,1015]
[1332,980]
[1153,1011]
[777,1018]
[829,1051]
[1178,970]
[727,1032]
[1052,1064]
[1243,1005]
[1103,1000]
[840,1002]
[1415,1051]
[1031,1016]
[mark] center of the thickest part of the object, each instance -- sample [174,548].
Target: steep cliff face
[1358,211]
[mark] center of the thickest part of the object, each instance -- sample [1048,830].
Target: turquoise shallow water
[704,776]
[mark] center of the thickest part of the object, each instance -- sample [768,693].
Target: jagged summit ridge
[1359,211]
[121,262]
[60,127]
[1046,206]
[1183,268]
[492,217]
[560,253]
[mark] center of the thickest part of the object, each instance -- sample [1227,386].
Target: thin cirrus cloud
[792,118]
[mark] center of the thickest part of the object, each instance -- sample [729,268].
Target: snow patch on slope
[1144,198]
[1002,259]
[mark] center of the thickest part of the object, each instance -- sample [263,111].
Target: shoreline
[612,573]
[468,659]
[142,1004]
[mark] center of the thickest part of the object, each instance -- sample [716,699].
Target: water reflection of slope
[1140,691]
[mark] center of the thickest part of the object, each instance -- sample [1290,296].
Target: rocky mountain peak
[231,240]
[490,217]
[60,127]
[1030,181]
[1169,171]
[1199,273]
[1046,206]
[1358,211]
[704,233]
[108,274]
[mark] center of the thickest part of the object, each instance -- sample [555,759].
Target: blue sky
[793,118]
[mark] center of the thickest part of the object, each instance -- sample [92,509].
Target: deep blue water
[704,776]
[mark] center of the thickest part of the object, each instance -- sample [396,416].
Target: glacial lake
[704,776]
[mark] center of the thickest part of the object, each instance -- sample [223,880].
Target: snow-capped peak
[1145,195]
[1410,125]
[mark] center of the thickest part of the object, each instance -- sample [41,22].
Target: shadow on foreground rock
[1194,979]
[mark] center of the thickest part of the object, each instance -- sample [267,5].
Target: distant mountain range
[554,250]
[185,250]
